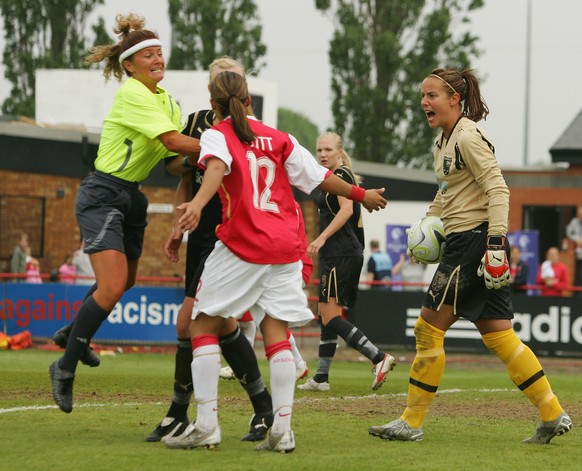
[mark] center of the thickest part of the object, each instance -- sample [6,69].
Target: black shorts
[196,256]
[112,215]
[457,284]
[339,278]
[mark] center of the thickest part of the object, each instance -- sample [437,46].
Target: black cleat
[260,425]
[169,427]
[61,336]
[89,357]
[62,386]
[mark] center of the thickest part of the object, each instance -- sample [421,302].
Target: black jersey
[204,234]
[349,240]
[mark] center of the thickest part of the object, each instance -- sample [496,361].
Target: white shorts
[230,286]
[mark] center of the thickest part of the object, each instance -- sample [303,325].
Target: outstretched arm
[372,200]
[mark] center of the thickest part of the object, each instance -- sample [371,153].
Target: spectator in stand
[553,274]
[18,260]
[32,269]
[379,266]
[67,270]
[519,271]
[574,233]
[409,272]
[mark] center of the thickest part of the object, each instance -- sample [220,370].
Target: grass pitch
[476,422]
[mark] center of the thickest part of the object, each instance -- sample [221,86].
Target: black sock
[68,328]
[183,386]
[88,320]
[92,289]
[239,354]
[327,348]
[355,338]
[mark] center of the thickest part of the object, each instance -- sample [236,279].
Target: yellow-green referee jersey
[128,148]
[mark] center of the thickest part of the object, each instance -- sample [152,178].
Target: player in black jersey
[340,247]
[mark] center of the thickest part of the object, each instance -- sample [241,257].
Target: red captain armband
[357,194]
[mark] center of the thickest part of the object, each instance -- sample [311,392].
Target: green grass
[476,423]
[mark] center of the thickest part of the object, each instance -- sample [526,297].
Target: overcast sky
[297,37]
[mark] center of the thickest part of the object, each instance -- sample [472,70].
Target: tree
[380,53]
[206,29]
[299,126]
[47,34]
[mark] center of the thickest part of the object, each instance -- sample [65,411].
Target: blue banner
[143,313]
[396,244]
[528,242]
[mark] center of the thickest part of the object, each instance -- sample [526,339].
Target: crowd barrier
[147,314]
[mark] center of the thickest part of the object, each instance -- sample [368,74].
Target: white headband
[138,47]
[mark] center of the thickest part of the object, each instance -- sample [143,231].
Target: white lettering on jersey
[262,200]
[263,143]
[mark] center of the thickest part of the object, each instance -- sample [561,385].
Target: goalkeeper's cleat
[168,427]
[548,430]
[397,430]
[279,442]
[193,437]
[381,370]
[259,426]
[312,385]
[227,373]
[62,386]
[88,357]
[301,370]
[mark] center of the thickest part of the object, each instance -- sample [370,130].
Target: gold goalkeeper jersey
[472,189]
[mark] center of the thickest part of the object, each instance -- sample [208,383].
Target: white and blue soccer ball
[426,240]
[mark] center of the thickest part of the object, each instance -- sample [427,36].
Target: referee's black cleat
[260,425]
[169,427]
[61,336]
[88,357]
[62,386]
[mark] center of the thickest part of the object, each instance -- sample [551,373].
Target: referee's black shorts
[112,215]
[339,278]
[457,284]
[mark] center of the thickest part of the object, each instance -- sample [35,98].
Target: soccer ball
[426,240]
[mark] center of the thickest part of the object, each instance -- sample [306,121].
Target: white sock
[295,351]
[205,373]
[282,389]
[249,329]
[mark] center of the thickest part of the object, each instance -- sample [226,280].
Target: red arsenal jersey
[259,217]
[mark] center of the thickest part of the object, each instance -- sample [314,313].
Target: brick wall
[61,233]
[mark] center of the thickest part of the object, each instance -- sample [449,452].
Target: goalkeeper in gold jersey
[472,280]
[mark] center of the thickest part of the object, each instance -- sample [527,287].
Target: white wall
[83,97]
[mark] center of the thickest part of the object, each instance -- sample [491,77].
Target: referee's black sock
[355,338]
[88,320]
[64,333]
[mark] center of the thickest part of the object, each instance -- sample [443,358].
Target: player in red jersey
[256,259]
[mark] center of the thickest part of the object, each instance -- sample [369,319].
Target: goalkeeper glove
[494,266]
